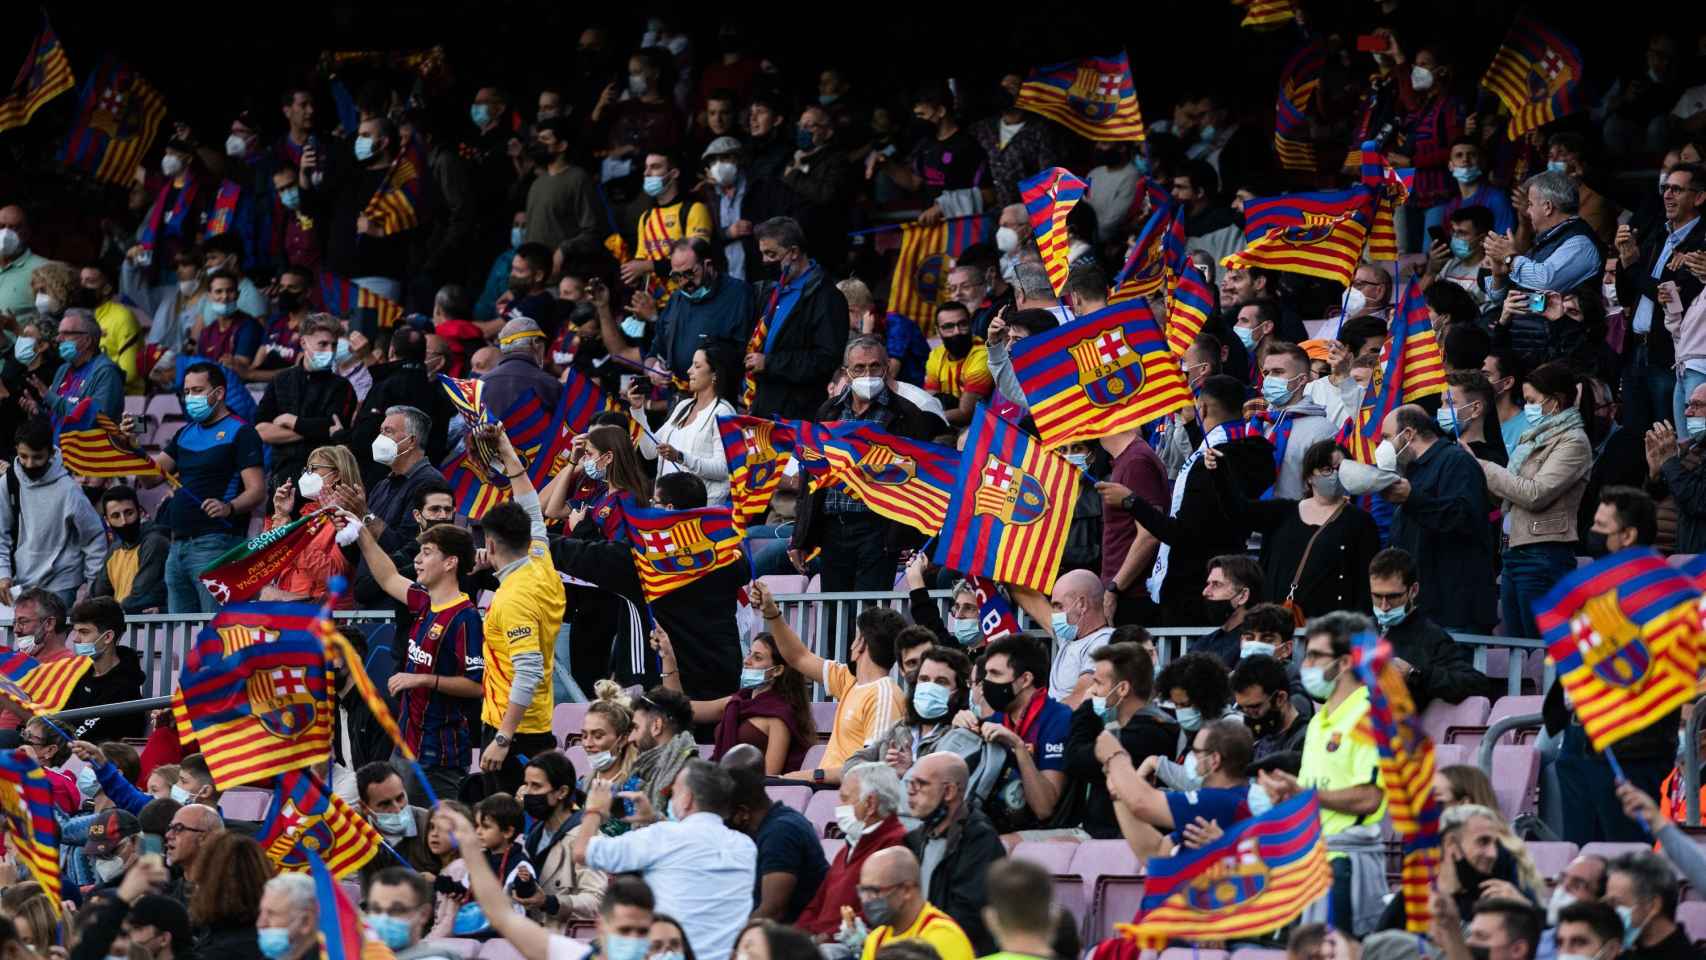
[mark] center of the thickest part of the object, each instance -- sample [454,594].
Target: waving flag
[344,298]
[118,115]
[1012,504]
[1256,878]
[88,445]
[907,481]
[1049,197]
[45,74]
[343,933]
[1537,75]
[240,572]
[757,451]
[1319,234]
[920,281]
[1406,773]
[472,494]
[1145,270]
[254,692]
[26,813]
[1093,97]
[305,817]
[672,548]
[1104,372]
[395,205]
[1624,633]
[1391,190]
[995,617]
[1300,82]
[1411,367]
[1266,14]
[1188,309]
[40,686]
[811,439]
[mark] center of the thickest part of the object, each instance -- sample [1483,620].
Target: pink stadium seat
[784,583]
[577,756]
[566,720]
[152,497]
[813,756]
[462,945]
[1056,857]
[1550,858]
[1611,851]
[795,797]
[1692,916]
[1516,775]
[164,432]
[241,804]
[1094,858]
[498,950]
[1191,953]
[163,405]
[1441,716]
[135,405]
[823,717]
[1451,754]
[820,809]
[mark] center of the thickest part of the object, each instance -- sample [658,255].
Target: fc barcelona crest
[1094,94]
[1009,494]
[1314,229]
[1234,879]
[680,549]
[880,466]
[760,454]
[282,701]
[1110,370]
[1611,644]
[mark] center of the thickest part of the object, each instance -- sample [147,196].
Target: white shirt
[1072,661]
[700,871]
[700,444]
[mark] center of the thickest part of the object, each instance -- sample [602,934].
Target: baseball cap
[106,833]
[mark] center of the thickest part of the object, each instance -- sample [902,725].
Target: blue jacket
[1443,525]
[120,791]
[105,382]
[685,325]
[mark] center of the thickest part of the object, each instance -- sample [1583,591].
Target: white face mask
[1560,899]
[849,822]
[867,387]
[45,303]
[600,761]
[384,450]
[236,145]
[10,242]
[188,287]
[724,173]
[1354,303]
[310,484]
[1007,239]
[171,164]
[1421,78]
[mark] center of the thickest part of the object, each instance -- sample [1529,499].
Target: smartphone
[1437,232]
[1372,43]
[1537,303]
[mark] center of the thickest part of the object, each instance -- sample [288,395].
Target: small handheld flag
[672,548]
[1049,197]
[30,827]
[89,446]
[38,686]
[757,452]
[240,572]
[1537,75]
[907,481]
[44,74]
[1105,372]
[304,817]
[1093,97]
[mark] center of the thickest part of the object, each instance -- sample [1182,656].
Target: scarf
[658,766]
[1548,429]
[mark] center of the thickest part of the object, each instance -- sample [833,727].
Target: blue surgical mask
[25,349]
[1315,683]
[1258,800]
[1208,133]
[1557,166]
[591,469]
[217,309]
[87,783]
[1105,712]
[320,360]
[1533,412]
[469,919]
[930,700]
[1190,718]
[83,649]
[1255,648]
[1079,460]
[1387,619]
[625,948]
[1695,425]
[1190,765]
[395,824]
[364,148]
[1063,631]
[67,350]
[672,811]
[392,931]
[1631,932]
[1246,336]
[753,676]
[803,139]
[1447,419]
[181,796]
[290,198]
[966,631]
[1276,389]
[198,407]
[517,236]
[1466,174]
[653,186]
[343,353]
[633,327]
[480,114]
[273,941]
[1460,247]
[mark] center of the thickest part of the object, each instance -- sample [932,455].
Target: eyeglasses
[868,892]
[1389,597]
[182,828]
[1670,188]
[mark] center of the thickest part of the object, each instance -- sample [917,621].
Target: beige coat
[1541,501]
[577,888]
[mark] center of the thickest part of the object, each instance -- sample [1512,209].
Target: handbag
[1297,615]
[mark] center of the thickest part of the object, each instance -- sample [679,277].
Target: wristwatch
[501,740]
[817,775]
[1129,502]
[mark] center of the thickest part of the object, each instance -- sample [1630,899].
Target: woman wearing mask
[1429,119]
[179,313]
[609,754]
[226,877]
[771,710]
[944,680]
[1542,490]
[962,628]
[689,439]
[669,941]
[641,114]
[24,377]
[604,457]
[323,558]
[563,893]
[54,286]
[1198,687]
[1316,549]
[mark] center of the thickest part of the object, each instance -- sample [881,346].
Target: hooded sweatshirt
[58,543]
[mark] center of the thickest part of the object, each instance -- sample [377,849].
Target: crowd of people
[680,238]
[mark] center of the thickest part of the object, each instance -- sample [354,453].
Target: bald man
[484,360]
[791,864]
[892,900]
[17,261]
[190,828]
[951,875]
[1080,628]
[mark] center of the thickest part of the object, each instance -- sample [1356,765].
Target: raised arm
[395,585]
[788,643]
[704,711]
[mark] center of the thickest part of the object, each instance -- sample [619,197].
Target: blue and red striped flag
[1407,764]
[1012,503]
[1259,876]
[118,116]
[343,933]
[1093,97]
[40,686]
[1537,75]
[920,280]
[1316,234]
[305,817]
[1145,270]
[1049,197]
[995,617]
[1300,83]
[1411,367]
[1188,309]
[672,548]
[469,490]
[811,439]
[1391,189]
[757,451]
[1104,372]
[88,446]
[1624,634]
[44,74]
[394,207]
[222,218]
[907,481]
[254,692]
[345,299]
[27,819]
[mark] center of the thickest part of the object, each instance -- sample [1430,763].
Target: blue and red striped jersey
[446,641]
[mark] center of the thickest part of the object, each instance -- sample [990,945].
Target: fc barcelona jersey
[446,643]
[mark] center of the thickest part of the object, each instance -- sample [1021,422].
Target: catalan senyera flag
[1299,86]
[907,481]
[1049,197]
[1317,234]
[1012,503]
[1266,14]
[30,827]
[1411,367]
[1624,634]
[757,451]
[40,686]
[117,118]
[1102,373]
[305,817]
[1537,75]
[44,74]
[394,207]
[240,572]
[1407,764]
[1259,876]
[344,298]
[1188,309]
[89,448]
[672,548]
[254,692]
[920,281]
[343,934]
[1093,97]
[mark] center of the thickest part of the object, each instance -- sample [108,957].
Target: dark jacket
[1444,526]
[101,921]
[724,318]
[1682,480]
[806,352]
[235,941]
[909,422]
[1331,574]
[1201,530]
[1636,282]
[1444,670]
[765,198]
[122,683]
[957,887]
[148,589]
[16,378]
[404,385]
[926,614]
[344,198]
[1149,733]
[818,197]
[513,377]
[316,398]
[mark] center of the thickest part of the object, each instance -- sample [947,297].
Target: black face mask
[999,696]
[957,345]
[934,818]
[36,473]
[1593,542]
[538,805]
[1217,610]
[1004,100]
[1265,725]
[130,533]
[520,286]
[541,154]
[289,301]
[1470,878]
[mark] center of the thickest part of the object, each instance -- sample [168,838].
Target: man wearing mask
[739,199]
[1015,141]
[1233,587]
[1624,517]
[1080,629]
[819,179]
[522,345]
[399,911]
[1012,237]
[801,331]
[958,370]
[871,800]
[1033,728]
[413,383]
[1642,888]
[1239,286]
[1291,422]
[708,309]
[1209,225]
[891,898]
[1218,757]
[86,371]
[17,262]
[954,842]
[1262,688]
[121,327]
[387,508]
[969,287]
[231,336]
[114,845]
[674,215]
[135,570]
[945,162]
[1441,521]
[359,245]
[308,405]
[1462,259]
[217,459]
[385,804]
[491,165]
[528,294]
[281,343]
[1113,189]
[287,926]
[561,202]
[1474,189]
[1122,684]
[1370,292]
[63,545]
[1434,666]
[97,624]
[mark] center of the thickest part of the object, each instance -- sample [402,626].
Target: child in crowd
[498,822]
[450,887]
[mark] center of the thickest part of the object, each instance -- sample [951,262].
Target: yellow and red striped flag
[45,74]
[1537,75]
[1049,197]
[89,446]
[1093,97]
[907,481]
[305,816]
[40,686]
[1266,14]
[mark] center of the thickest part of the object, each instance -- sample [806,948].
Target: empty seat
[832,847]
[823,717]
[566,721]
[1551,857]
[1113,900]
[1451,754]
[163,405]
[1516,776]
[1094,858]
[795,797]
[1692,917]
[1504,707]
[1441,716]
[780,583]
[135,405]
[820,809]
[814,755]
[244,804]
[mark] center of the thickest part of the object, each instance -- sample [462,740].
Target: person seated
[868,816]
[939,693]
[399,904]
[957,372]
[385,804]
[1123,681]
[1261,687]
[791,865]
[1462,783]
[322,558]
[663,735]
[1267,630]
[565,892]
[771,710]
[610,750]
[1196,684]
[1481,858]
[1219,759]
[955,842]
[1434,666]
[498,821]
[1031,725]
[896,910]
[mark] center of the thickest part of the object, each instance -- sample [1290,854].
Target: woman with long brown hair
[225,896]
[771,710]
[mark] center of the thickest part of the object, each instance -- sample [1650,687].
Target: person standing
[50,536]
[1651,385]
[803,322]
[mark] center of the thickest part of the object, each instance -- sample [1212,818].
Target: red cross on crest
[290,681]
[1551,64]
[1110,345]
[1108,86]
[997,474]
[657,541]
